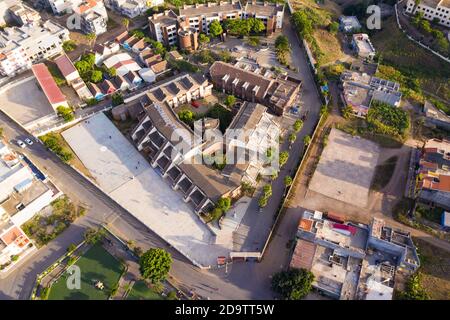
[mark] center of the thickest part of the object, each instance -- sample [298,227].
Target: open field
[140,291]
[95,265]
[411,60]
[435,269]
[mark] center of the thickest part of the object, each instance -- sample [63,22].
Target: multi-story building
[188,39]
[132,8]
[278,93]
[23,14]
[31,43]
[200,16]
[271,14]
[163,27]
[431,10]
[433,172]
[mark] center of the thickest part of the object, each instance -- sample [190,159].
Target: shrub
[69,45]
[230,100]
[293,284]
[66,113]
[117,99]
[155,264]
[187,116]
[386,119]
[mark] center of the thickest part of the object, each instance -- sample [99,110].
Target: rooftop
[263,8]
[65,65]
[48,84]
[210,8]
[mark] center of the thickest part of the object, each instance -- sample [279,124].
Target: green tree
[187,116]
[292,138]
[287,181]
[1,133]
[262,202]
[230,100]
[69,45]
[65,112]
[333,27]
[302,23]
[293,284]
[125,23]
[298,125]
[112,72]
[414,289]
[91,38]
[92,236]
[203,38]
[224,204]
[155,264]
[306,140]
[282,43]
[425,26]
[215,29]
[253,41]
[96,76]
[117,99]
[216,213]
[284,156]
[256,25]
[267,189]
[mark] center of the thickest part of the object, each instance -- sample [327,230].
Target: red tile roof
[48,85]
[65,65]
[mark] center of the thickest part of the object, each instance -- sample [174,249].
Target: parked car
[21,144]
[28,141]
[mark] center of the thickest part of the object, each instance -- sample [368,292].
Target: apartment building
[22,14]
[31,43]
[431,10]
[188,39]
[271,14]
[132,8]
[200,16]
[256,85]
[363,46]
[163,27]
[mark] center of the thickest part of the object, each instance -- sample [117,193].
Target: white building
[20,47]
[132,8]
[431,9]
[122,62]
[363,46]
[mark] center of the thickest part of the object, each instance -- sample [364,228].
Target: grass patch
[417,65]
[56,74]
[56,144]
[96,265]
[224,115]
[141,291]
[383,173]
[435,268]
[431,214]
[44,229]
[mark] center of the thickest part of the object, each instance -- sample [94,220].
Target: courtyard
[346,168]
[123,173]
[96,264]
[25,102]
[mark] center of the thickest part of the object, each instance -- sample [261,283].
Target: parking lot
[25,102]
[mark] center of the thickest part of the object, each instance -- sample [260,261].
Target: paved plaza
[123,173]
[346,168]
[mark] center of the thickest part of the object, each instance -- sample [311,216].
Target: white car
[21,144]
[28,141]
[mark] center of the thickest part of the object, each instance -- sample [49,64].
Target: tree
[293,284]
[125,23]
[1,133]
[253,41]
[298,125]
[274,175]
[262,202]
[303,25]
[92,236]
[425,26]
[414,289]
[203,38]
[284,156]
[230,100]
[69,45]
[187,116]
[112,72]
[215,29]
[287,181]
[256,25]
[65,112]
[282,43]
[292,138]
[333,27]
[306,140]
[154,264]
[224,204]
[96,76]
[267,189]
[91,37]
[216,213]
[117,99]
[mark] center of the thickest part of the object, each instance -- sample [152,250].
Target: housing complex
[24,191]
[132,8]
[431,10]
[352,260]
[359,90]
[256,84]
[433,174]
[23,14]
[89,16]
[170,28]
[20,47]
